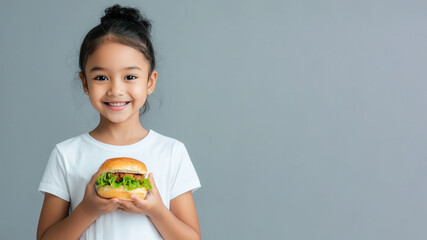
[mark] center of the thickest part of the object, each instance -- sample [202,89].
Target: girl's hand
[93,204]
[148,206]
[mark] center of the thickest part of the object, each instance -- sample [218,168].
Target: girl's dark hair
[123,25]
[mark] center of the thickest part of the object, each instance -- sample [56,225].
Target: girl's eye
[130,77]
[101,78]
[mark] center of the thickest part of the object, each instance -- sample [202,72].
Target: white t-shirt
[73,162]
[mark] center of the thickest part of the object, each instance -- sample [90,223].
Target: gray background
[304,119]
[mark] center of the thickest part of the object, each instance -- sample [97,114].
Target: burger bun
[121,192]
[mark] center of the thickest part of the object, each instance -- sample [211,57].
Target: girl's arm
[55,223]
[180,222]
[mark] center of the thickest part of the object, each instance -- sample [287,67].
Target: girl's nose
[116,88]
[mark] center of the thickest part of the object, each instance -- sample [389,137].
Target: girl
[117,73]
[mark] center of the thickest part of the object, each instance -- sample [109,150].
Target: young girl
[117,73]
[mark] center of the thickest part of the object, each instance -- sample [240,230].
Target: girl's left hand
[149,206]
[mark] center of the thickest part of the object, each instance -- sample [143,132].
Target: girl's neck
[119,134]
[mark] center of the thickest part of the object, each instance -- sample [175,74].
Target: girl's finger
[152,182]
[129,206]
[108,201]
[110,204]
[92,181]
[112,200]
[122,208]
[137,201]
[94,177]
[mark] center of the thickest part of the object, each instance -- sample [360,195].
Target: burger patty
[121,175]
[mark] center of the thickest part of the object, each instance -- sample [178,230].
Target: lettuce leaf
[102,180]
[129,183]
[146,184]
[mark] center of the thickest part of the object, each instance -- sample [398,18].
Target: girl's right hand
[93,204]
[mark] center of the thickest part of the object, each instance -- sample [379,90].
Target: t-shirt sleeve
[186,178]
[54,177]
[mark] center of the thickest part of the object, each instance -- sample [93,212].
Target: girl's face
[117,82]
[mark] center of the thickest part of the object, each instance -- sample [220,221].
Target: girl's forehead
[111,55]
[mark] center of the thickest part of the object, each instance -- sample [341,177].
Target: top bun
[123,164]
[129,14]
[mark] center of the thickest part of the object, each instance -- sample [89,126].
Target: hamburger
[122,177]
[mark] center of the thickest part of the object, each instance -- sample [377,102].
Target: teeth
[117,104]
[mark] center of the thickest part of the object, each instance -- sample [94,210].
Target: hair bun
[119,13]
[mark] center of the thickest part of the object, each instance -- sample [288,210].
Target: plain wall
[304,119]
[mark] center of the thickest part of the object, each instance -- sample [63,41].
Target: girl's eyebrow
[126,68]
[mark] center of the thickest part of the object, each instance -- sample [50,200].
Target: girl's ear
[84,83]
[152,82]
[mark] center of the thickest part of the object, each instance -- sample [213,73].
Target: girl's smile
[116,106]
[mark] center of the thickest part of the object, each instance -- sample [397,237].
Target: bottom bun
[120,192]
